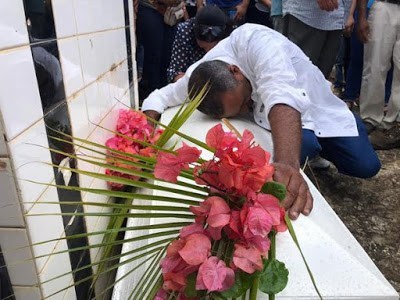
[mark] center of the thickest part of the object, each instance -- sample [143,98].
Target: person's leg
[330,48]
[354,73]
[352,156]
[310,146]
[339,65]
[150,24]
[377,60]
[309,39]
[393,112]
[279,24]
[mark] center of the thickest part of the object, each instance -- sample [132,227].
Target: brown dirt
[370,209]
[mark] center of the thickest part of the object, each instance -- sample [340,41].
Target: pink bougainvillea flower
[235,228]
[247,259]
[196,250]
[169,166]
[214,275]
[269,203]
[207,174]
[191,229]
[130,120]
[161,295]
[282,225]
[258,222]
[216,212]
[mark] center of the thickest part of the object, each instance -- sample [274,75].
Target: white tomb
[341,267]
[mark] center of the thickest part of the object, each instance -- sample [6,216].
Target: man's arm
[241,10]
[363,26]
[285,125]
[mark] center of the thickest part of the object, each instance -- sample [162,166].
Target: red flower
[247,259]
[216,212]
[191,229]
[214,275]
[169,166]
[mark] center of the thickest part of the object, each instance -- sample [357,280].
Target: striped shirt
[308,12]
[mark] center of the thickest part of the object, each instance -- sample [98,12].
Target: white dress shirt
[279,73]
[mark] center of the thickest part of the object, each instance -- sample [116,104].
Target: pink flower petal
[247,259]
[214,275]
[196,249]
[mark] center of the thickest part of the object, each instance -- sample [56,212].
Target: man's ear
[236,72]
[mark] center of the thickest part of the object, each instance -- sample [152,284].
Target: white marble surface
[341,267]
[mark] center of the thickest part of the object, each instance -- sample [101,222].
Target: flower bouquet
[214,237]
[229,249]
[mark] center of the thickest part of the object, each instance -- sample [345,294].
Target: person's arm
[284,101]
[328,5]
[286,134]
[199,4]
[363,26]
[349,25]
[241,10]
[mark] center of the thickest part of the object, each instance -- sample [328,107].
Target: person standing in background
[381,35]
[316,27]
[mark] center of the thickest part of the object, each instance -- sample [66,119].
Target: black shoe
[369,127]
[385,139]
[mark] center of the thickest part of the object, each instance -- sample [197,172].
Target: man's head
[210,26]
[229,90]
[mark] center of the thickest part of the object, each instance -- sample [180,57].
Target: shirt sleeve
[171,95]
[269,56]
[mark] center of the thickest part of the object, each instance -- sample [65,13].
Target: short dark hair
[217,75]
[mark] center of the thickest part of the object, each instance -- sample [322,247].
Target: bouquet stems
[272,255]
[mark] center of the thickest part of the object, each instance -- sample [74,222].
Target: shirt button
[304,94]
[260,121]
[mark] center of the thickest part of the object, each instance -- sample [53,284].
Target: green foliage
[274,188]
[274,277]
[243,282]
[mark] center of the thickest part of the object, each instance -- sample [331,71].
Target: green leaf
[190,290]
[243,282]
[275,189]
[274,277]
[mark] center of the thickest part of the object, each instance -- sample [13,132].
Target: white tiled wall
[13,30]
[93,57]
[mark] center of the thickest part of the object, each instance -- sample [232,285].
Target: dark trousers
[352,156]
[156,38]
[321,46]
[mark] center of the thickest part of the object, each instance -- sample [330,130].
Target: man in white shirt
[259,67]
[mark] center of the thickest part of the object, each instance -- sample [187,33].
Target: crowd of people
[278,70]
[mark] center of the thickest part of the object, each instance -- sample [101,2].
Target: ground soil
[370,209]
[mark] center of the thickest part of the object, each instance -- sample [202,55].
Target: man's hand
[152,114]
[363,30]
[349,26]
[298,197]
[328,5]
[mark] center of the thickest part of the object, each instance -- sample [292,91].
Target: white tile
[89,13]
[98,102]
[13,30]
[58,264]
[27,293]
[70,294]
[10,210]
[71,65]
[64,18]
[20,107]
[3,146]
[100,52]
[79,116]
[119,82]
[37,223]
[18,256]
[29,153]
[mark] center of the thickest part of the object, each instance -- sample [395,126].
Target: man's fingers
[309,204]
[299,203]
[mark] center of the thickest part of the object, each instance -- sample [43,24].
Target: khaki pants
[383,48]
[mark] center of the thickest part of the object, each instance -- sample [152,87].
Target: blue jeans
[354,72]
[352,156]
